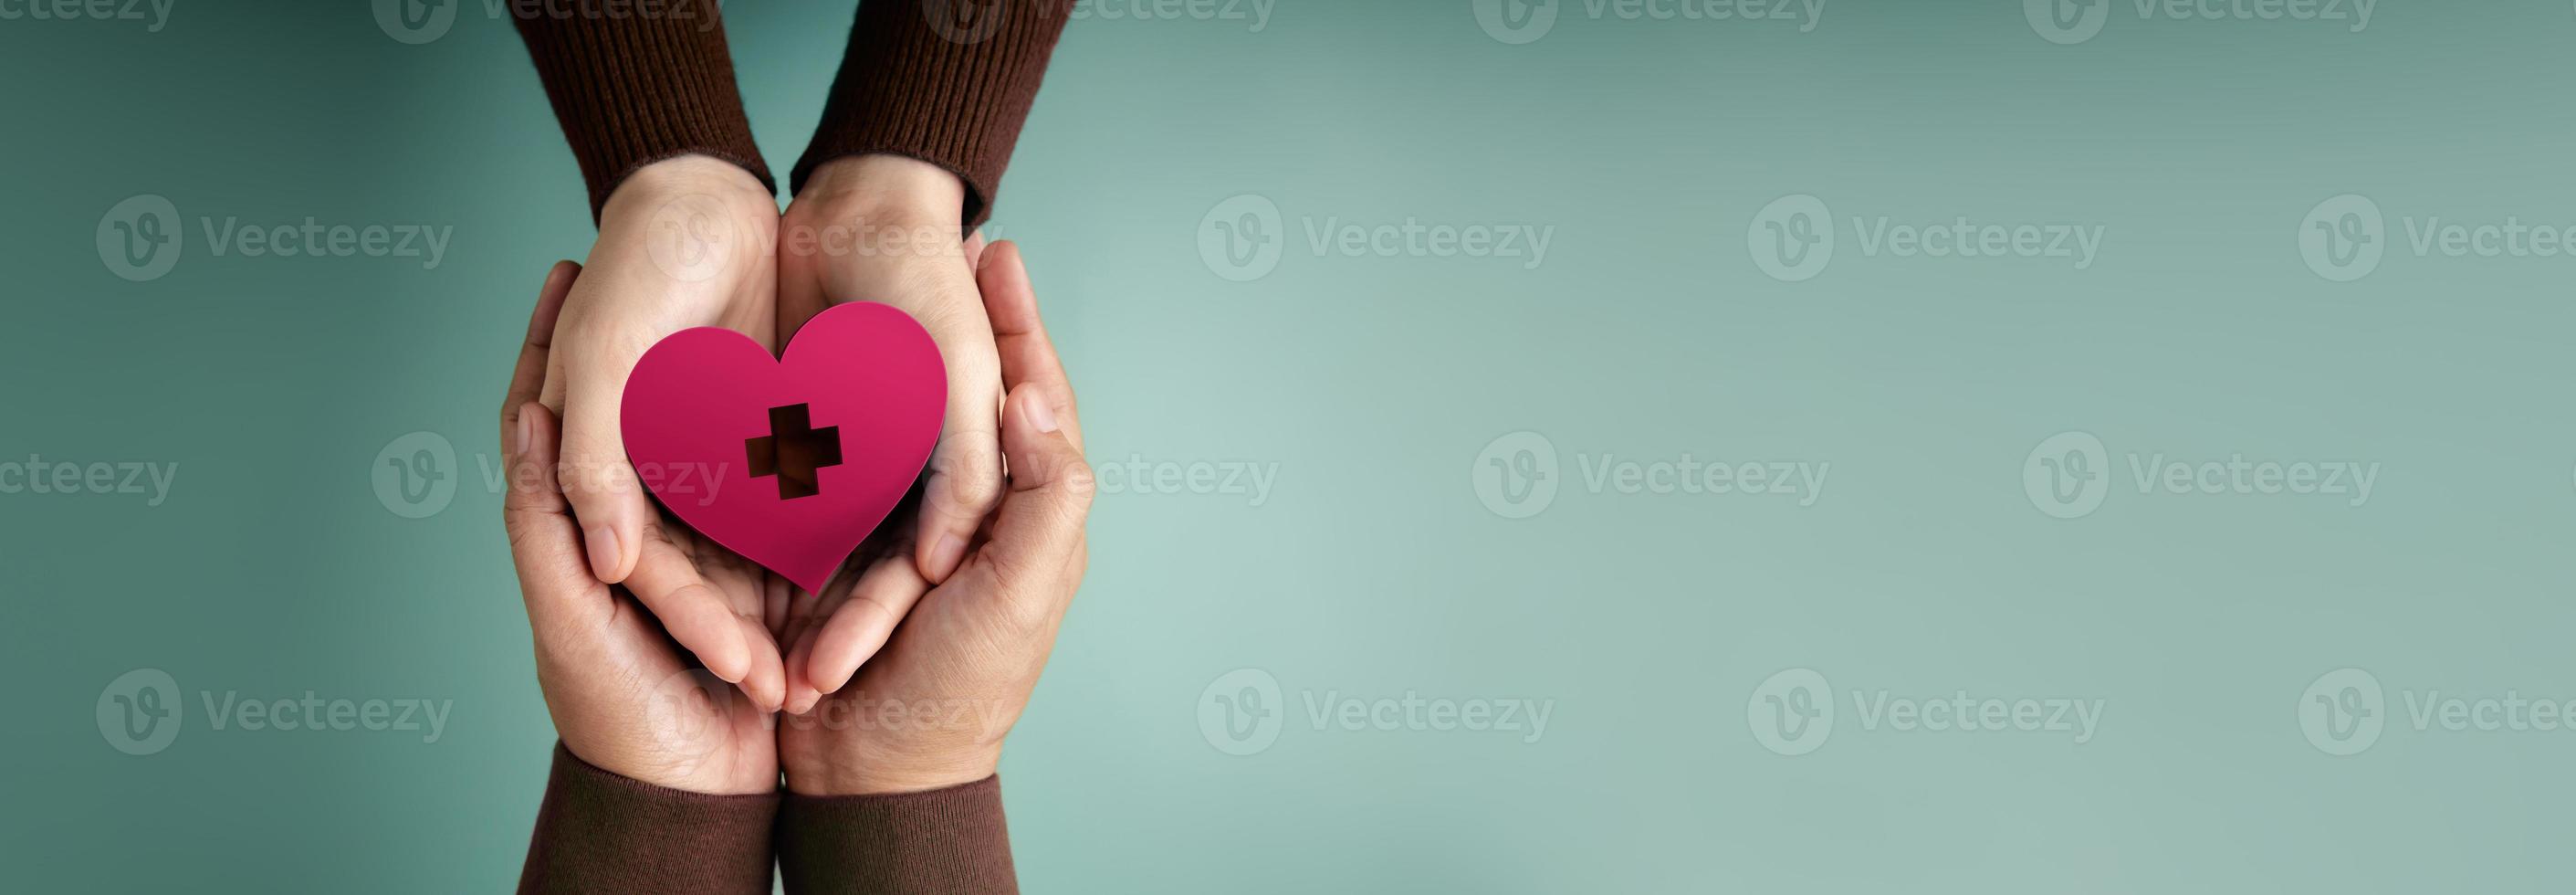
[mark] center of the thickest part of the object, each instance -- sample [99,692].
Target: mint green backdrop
[1370,512]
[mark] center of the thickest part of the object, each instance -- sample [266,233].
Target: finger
[544,544]
[691,609]
[974,249]
[965,471]
[859,627]
[766,683]
[606,496]
[801,692]
[1039,527]
[530,375]
[1028,356]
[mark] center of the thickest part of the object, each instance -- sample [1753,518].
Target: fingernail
[1040,413]
[945,557]
[603,550]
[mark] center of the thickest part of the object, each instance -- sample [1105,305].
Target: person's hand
[886,228]
[931,709]
[682,242]
[622,697]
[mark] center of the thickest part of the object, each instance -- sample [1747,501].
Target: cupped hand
[683,242]
[887,228]
[931,708]
[622,697]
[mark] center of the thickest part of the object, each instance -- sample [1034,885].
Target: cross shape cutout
[794,451]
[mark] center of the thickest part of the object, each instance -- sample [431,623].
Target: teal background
[1373,568]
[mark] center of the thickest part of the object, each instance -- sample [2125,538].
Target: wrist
[886,778]
[885,188]
[697,219]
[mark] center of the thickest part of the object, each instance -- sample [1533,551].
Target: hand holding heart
[981,636]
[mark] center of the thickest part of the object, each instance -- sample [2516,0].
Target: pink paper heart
[711,424]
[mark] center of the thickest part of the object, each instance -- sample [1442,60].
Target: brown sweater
[944,81]
[918,80]
[598,832]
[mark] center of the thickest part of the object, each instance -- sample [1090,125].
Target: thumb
[606,497]
[1040,523]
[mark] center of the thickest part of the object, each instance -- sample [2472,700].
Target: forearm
[952,93]
[631,89]
[951,841]
[599,832]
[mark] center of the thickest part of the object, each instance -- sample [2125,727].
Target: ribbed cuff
[599,832]
[945,840]
[948,82]
[631,89]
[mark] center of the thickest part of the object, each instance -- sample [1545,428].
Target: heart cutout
[792,460]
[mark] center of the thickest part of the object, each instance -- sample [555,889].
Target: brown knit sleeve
[599,832]
[944,81]
[633,84]
[949,841]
